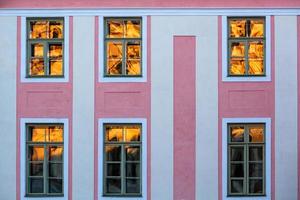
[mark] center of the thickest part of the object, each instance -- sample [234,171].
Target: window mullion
[124,58]
[45,169]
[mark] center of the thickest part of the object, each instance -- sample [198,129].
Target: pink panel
[184,117]
[298,60]
[151,3]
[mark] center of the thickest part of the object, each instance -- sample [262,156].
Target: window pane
[237,134]
[36,185]
[237,28]
[132,133]
[255,169]
[56,29]
[237,49]
[132,186]
[36,153]
[55,185]
[115,29]
[237,66]
[36,169]
[113,185]
[37,50]
[256,134]
[55,170]
[55,67]
[39,29]
[256,67]
[55,50]
[256,28]
[256,50]
[237,170]
[255,186]
[114,133]
[113,153]
[36,134]
[133,170]
[133,28]
[55,153]
[56,133]
[237,186]
[133,50]
[114,67]
[113,169]
[37,67]
[237,153]
[255,153]
[132,153]
[133,67]
[114,50]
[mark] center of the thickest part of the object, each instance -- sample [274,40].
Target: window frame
[143,159]
[225,163]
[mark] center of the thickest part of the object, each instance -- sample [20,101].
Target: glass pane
[132,133]
[133,28]
[38,29]
[133,170]
[237,134]
[255,153]
[237,170]
[256,134]
[133,50]
[55,50]
[237,28]
[55,67]
[256,67]
[37,50]
[55,153]
[114,133]
[56,29]
[56,133]
[238,49]
[36,185]
[132,153]
[36,169]
[133,67]
[255,169]
[55,186]
[36,153]
[256,28]
[114,67]
[113,169]
[132,186]
[36,134]
[113,153]
[115,29]
[114,50]
[113,185]
[237,66]
[255,186]
[37,67]
[237,186]
[55,170]
[256,50]
[237,153]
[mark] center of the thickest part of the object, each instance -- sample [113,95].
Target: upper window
[123,47]
[45,44]
[246,46]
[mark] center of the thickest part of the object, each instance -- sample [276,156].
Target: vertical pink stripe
[298,63]
[184,117]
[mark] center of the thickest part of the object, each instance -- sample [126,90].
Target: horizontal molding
[150,11]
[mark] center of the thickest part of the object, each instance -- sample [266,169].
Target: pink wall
[298,62]
[151,3]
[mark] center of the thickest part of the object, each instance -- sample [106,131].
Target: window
[123,47]
[246,46]
[246,159]
[122,160]
[44,159]
[45,44]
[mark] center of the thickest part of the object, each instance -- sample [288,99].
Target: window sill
[246,79]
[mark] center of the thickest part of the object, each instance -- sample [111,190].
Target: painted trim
[151,11]
[298,116]
[268,144]
[143,121]
[23,77]
[225,76]
[101,77]
[23,122]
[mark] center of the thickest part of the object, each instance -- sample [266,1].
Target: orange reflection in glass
[237,67]
[115,29]
[256,28]
[38,134]
[237,134]
[238,49]
[55,67]
[237,28]
[36,153]
[132,133]
[133,67]
[114,50]
[256,67]
[114,133]
[256,50]
[37,67]
[55,50]
[133,29]
[55,153]
[56,134]
[39,29]
[38,50]
[256,134]
[56,29]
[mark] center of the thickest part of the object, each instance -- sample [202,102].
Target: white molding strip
[151,11]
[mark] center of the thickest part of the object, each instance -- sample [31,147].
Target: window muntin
[246,159]
[123,47]
[44,159]
[45,44]
[122,160]
[246,46]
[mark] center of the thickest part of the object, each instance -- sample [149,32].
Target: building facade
[161,100]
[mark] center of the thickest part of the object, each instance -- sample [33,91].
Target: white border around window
[143,121]
[23,122]
[225,76]
[101,53]
[225,123]
[23,63]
